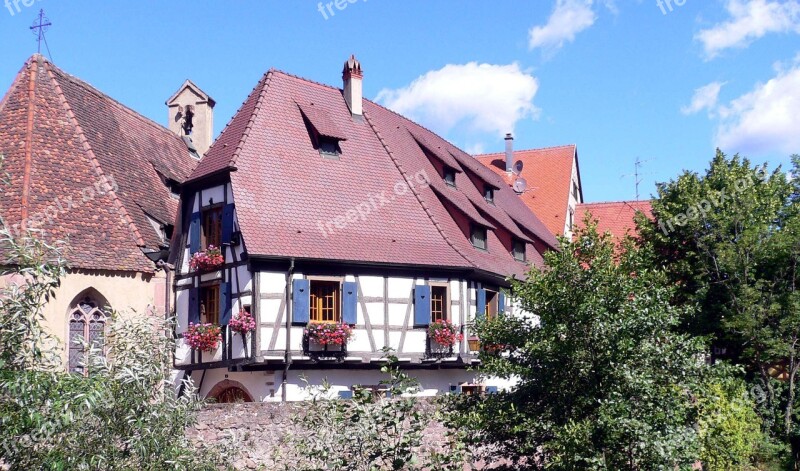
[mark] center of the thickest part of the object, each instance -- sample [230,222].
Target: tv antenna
[41,26]
[637,174]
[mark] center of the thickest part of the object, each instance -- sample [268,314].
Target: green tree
[124,415]
[730,240]
[602,380]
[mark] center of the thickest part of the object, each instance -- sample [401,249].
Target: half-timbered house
[327,208]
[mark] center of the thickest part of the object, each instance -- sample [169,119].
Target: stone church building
[84,169]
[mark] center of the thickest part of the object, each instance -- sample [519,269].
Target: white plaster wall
[216,193]
[432,382]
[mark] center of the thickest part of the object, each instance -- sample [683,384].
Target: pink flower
[329,334]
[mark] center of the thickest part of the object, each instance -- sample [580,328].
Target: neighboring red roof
[288,197]
[548,173]
[614,217]
[62,139]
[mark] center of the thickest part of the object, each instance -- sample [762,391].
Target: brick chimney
[353,79]
[191,114]
[509,153]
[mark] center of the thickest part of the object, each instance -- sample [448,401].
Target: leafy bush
[371,432]
[729,429]
[124,415]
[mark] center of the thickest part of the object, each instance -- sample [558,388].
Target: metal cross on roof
[40,26]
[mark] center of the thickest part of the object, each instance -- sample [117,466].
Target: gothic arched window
[87,323]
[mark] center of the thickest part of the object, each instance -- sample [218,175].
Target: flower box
[494,348]
[328,334]
[208,260]
[444,333]
[321,340]
[203,337]
[243,323]
[474,344]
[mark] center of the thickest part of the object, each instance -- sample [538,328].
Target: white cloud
[750,20]
[484,97]
[705,98]
[765,119]
[569,18]
[475,149]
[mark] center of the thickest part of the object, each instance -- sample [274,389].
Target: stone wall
[261,427]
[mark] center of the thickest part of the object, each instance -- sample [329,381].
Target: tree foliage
[602,381]
[731,241]
[729,429]
[123,415]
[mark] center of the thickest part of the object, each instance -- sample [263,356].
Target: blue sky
[620,78]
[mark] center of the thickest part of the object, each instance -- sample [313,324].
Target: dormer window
[329,148]
[518,250]
[479,237]
[325,135]
[449,176]
[488,193]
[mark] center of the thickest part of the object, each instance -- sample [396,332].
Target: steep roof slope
[381,201]
[86,169]
[549,173]
[615,217]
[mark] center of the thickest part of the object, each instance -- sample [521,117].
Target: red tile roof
[614,217]
[62,139]
[291,202]
[548,173]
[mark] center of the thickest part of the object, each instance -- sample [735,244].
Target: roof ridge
[34,76]
[615,202]
[291,75]
[92,89]
[414,190]
[406,119]
[217,141]
[490,154]
[93,159]
[304,79]
[246,133]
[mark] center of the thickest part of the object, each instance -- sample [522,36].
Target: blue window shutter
[481,304]
[501,302]
[194,233]
[194,305]
[422,305]
[349,303]
[300,301]
[225,304]
[491,389]
[227,223]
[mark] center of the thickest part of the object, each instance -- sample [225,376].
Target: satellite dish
[518,167]
[520,185]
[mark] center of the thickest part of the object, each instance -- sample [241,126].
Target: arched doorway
[230,392]
[88,318]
